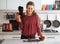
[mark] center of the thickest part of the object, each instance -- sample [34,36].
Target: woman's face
[30,9]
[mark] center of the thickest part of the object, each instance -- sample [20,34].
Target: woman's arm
[41,37]
[18,19]
[38,26]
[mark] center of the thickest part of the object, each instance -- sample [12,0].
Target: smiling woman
[30,23]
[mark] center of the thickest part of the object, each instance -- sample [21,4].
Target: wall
[52,15]
[3,18]
[42,15]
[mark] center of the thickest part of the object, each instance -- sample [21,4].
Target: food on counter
[32,40]
[7,27]
[42,38]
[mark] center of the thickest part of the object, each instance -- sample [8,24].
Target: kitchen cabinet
[2,4]
[9,4]
[13,4]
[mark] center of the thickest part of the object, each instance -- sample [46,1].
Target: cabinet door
[12,4]
[2,4]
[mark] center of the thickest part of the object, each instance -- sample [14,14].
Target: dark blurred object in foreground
[20,9]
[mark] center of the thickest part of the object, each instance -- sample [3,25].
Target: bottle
[10,26]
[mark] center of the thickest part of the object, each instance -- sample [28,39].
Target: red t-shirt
[30,25]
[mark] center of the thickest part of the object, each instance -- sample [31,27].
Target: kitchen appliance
[15,24]
[10,16]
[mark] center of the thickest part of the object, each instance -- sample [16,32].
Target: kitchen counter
[19,41]
[19,33]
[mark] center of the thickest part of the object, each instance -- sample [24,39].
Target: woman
[30,23]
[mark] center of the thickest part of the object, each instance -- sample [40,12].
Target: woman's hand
[18,19]
[42,37]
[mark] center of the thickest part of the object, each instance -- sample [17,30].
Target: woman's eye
[29,8]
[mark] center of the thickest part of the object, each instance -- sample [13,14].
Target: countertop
[19,32]
[19,41]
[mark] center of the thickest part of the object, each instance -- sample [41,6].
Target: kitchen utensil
[56,23]
[47,22]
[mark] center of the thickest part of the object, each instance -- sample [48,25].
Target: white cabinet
[13,4]
[9,4]
[2,4]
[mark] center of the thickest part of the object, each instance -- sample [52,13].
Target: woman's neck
[29,14]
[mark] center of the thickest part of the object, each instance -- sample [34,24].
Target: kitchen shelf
[19,33]
[49,11]
[38,11]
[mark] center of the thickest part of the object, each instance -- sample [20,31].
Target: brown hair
[31,3]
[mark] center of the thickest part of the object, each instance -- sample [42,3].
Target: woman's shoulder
[36,15]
